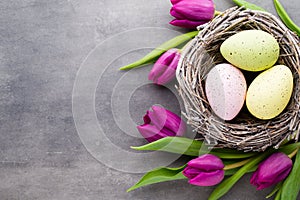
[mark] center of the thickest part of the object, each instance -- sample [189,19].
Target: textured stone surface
[42,45]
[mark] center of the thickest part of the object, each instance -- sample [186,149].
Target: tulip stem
[237,164]
[217,13]
[156,53]
[293,153]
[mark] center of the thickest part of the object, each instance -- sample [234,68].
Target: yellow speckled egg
[251,50]
[270,92]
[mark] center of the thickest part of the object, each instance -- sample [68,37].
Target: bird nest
[245,132]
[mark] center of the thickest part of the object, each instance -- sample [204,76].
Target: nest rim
[202,53]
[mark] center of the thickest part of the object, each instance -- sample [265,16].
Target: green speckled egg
[270,92]
[251,50]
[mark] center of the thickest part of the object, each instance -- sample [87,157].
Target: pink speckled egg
[225,89]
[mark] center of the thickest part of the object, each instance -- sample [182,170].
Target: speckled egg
[251,50]
[225,88]
[270,92]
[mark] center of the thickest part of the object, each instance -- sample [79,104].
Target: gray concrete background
[42,45]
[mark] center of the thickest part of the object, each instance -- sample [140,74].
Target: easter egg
[251,50]
[225,88]
[270,92]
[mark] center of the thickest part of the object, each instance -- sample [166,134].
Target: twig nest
[245,132]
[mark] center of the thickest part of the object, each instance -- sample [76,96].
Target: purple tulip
[192,13]
[206,170]
[164,69]
[271,171]
[160,123]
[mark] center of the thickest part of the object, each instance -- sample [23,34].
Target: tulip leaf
[153,55]
[285,17]
[248,5]
[289,148]
[179,145]
[236,155]
[161,174]
[291,186]
[190,147]
[275,190]
[226,185]
[278,195]
[233,171]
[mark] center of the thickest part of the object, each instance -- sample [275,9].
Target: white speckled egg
[251,50]
[225,88]
[270,92]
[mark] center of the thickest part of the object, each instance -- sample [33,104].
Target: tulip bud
[271,171]
[164,69]
[160,123]
[206,170]
[191,13]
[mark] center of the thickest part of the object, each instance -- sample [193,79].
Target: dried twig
[246,132]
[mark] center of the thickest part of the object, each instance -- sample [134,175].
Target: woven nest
[245,132]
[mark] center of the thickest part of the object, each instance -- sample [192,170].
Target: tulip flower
[206,170]
[164,69]
[192,13]
[160,123]
[271,171]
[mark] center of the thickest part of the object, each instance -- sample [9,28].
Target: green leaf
[179,145]
[237,155]
[233,171]
[158,175]
[227,184]
[186,146]
[278,195]
[291,185]
[285,17]
[276,189]
[153,55]
[289,148]
[248,5]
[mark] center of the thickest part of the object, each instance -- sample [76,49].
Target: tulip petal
[158,116]
[190,13]
[190,172]
[163,118]
[166,77]
[271,171]
[175,14]
[161,64]
[175,1]
[195,10]
[187,23]
[208,178]
[170,72]
[167,133]
[207,162]
[253,179]
[149,132]
[160,123]
[146,118]
[206,170]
